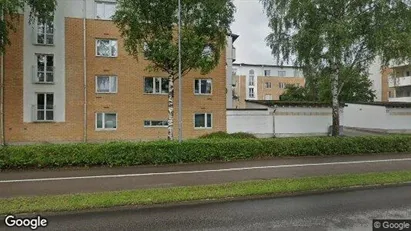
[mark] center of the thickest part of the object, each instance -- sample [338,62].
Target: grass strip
[73,202]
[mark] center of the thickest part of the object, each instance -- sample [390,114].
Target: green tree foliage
[354,87]
[41,9]
[149,26]
[333,36]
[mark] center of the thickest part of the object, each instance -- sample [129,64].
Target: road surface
[28,183]
[333,211]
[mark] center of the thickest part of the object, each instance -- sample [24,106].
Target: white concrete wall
[296,121]
[30,60]
[375,76]
[258,122]
[377,117]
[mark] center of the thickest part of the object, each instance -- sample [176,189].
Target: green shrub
[225,135]
[192,151]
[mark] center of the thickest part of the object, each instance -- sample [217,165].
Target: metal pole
[180,108]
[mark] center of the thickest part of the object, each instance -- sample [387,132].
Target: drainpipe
[275,109]
[2,74]
[85,72]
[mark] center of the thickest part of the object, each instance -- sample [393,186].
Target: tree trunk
[335,103]
[170,135]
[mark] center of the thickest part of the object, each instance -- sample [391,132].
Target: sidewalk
[43,182]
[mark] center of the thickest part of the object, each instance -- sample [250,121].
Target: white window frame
[267,72]
[45,71]
[199,86]
[160,80]
[251,78]
[268,98]
[46,26]
[282,85]
[268,85]
[251,96]
[104,3]
[155,126]
[110,40]
[107,76]
[282,73]
[206,124]
[104,123]
[44,110]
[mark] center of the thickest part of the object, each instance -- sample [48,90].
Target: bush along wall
[192,151]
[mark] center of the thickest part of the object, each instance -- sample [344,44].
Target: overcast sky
[251,24]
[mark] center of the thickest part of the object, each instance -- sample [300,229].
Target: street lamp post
[180,82]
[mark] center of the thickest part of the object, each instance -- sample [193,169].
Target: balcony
[400,99]
[42,113]
[399,81]
[43,75]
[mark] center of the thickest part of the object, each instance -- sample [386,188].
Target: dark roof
[263,65]
[386,104]
[272,103]
[234,36]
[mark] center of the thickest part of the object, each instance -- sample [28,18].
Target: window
[202,86]
[106,48]
[106,121]
[44,110]
[207,52]
[390,95]
[45,33]
[267,73]
[155,85]
[281,73]
[106,84]
[155,123]
[267,84]
[203,120]
[268,97]
[281,85]
[105,10]
[251,78]
[45,69]
[250,92]
[407,73]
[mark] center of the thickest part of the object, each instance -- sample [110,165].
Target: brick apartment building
[72,81]
[262,82]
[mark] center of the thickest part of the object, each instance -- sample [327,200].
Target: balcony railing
[400,99]
[399,81]
[43,113]
[43,75]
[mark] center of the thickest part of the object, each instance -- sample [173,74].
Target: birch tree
[9,9]
[335,34]
[149,27]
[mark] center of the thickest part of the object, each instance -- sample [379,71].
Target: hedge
[225,135]
[192,151]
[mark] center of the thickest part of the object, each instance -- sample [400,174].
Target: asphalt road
[332,211]
[51,182]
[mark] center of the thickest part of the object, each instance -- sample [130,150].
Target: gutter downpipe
[85,72]
[2,74]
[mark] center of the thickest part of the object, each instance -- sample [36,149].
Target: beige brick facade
[275,91]
[130,103]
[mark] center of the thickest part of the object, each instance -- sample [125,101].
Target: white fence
[378,118]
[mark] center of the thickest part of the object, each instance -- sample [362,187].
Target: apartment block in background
[262,82]
[399,82]
[71,80]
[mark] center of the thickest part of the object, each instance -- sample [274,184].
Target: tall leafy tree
[355,86]
[150,26]
[331,35]
[9,9]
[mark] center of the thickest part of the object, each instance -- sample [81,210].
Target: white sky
[251,24]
